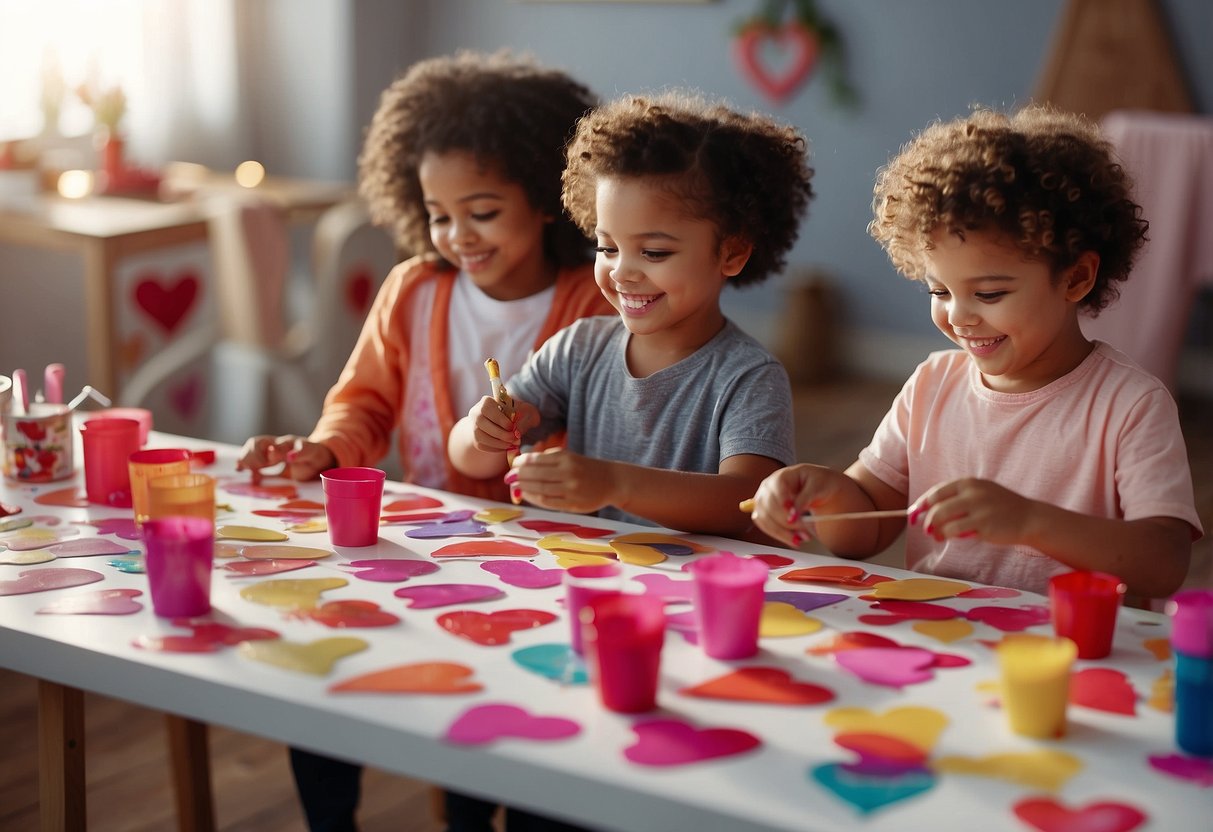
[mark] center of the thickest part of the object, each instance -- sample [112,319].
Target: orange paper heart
[761,684]
[423,677]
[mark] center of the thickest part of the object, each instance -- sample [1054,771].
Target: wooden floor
[127,771]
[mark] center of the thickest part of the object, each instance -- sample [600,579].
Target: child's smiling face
[485,225]
[1017,320]
[659,267]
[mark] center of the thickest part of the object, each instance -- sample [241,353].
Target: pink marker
[52,383]
[20,392]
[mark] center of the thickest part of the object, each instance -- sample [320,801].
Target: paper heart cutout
[639,555]
[554,527]
[206,637]
[492,629]
[264,490]
[130,564]
[251,533]
[312,526]
[285,515]
[349,614]
[557,662]
[870,792]
[42,580]
[850,641]
[559,544]
[919,726]
[853,576]
[485,549]
[780,620]
[316,657]
[792,40]
[919,589]
[1160,648]
[990,592]
[254,568]
[226,550]
[774,561]
[89,546]
[431,531]
[302,505]
[421,677]
[26,558]
[806,601]
[761,684]
[36,537]
[893,667]
[392,570]
[1162,693]
[123,527]
[880,753]
[99,602]
[64,497]
[567,560]
[444,595]
[418,517]
[672,742]
[1103,689]
[496,516]
[1010,619]
[13,525]
[412,502]
[482,724]
[947,631]
[291,594]
[275,551]
[524,574]
[899,611]
[665,587]
[1048,815]
[668,543]
[1044,769]
[1197,770]
[167,302]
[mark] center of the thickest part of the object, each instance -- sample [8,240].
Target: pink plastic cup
[581,583]
[728,593]
[140,414]
[1083,607]
[108,444]
[180,553]
[623,635]
[352,497]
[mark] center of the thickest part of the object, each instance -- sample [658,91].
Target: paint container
[38,443]
[1192,643]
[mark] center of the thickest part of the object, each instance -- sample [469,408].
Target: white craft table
[585,778]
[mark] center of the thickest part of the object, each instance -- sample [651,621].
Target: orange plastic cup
[145,466]
[181,495]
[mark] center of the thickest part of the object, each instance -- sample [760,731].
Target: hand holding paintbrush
[504,400]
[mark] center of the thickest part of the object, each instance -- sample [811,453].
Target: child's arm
[784,497]
[703,503]
[479,442]
[1150,554]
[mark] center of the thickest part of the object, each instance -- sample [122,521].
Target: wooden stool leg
[191,774]
[61,790]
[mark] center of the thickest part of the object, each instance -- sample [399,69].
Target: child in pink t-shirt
[1031,450]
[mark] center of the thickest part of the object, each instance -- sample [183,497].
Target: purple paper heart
[485,723]
[1193,769]
[666,587]
[806,601]
[123,527]
[672,742]
[444,595]
[673,550]
[524,574]
[392,570]
[433,531]
[86,546]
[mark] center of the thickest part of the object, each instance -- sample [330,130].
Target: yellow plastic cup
[145,466]
[1036,683]
[181,495]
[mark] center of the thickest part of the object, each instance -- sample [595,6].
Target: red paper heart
[358,290]
[411,502]
[167,303]
[350,614]
[794,39]
[207,637]
[1047,815]
[557,527]
[1104,690]
[761,684]
[494,628]
[485,548]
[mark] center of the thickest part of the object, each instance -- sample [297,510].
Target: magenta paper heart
[672,742]
[391,570]
[86,546]
[892,667]
[546,527]
[1198,770]
[899,611]
[1048,815]
[483,724]
[123,527]
[1010,619]
[805,601]
[207,637]
[444,595]
[524,574]
[98,602]
[665,587]
[40,580]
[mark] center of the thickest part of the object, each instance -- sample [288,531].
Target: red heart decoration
[1047,815]
[358,290]
[1104,690]
[761,684]
[793,38]
[167,303]
[491,629]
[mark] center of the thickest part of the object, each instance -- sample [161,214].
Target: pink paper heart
[98,602]
[665,587]
[411,502]
[270,566]
[1198,770]
[123,527]
[207,637]
[892,667]
[1010,619]
[444,595]
[87,546]
[524,574]
[1048,815]
[40,580]
[391,570]
[672,742]
[483,724]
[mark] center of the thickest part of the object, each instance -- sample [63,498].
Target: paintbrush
[748,507]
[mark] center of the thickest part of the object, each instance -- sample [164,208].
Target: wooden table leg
[61,790]
[191,774]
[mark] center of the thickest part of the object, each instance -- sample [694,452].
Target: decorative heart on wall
[167,302]
[187,396]
[792,46]
[358,290]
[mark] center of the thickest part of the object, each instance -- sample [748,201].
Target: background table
[586,778]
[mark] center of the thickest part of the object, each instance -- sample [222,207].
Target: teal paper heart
[868,792]
[557,662]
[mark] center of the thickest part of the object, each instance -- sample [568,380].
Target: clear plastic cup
[728,594]
[180,554]
[108,445]
[581,583]
[352,499]
[181,495]
[146,466]
[623,635]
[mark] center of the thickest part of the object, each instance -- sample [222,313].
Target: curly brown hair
[746,173]
[505,110]
[1046,178]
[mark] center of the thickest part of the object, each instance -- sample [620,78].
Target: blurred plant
[108,104]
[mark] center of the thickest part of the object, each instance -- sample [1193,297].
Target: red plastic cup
[180,554]
[108,444]
[140,414]
[581,583]
[623,635]
[1083,607]
[728,593]
[352,497]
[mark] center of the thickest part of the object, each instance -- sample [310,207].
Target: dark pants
[465,813]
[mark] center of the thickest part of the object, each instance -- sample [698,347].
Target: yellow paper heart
[558,543]
[248,533]
[780,619]
[282,552]
[1160,647]
[296,594]
[918,726]
[313,526]
[567,560]
[946,631]
[227,550]
[1162,693]
[1045,769]
[497,515]
[638,555]
[27,557]
[649,538]
[317,657]
[919,589]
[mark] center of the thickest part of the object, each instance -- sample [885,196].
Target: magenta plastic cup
[352,497]
[180,553]
[581,583]
[1083,606]
[623,635]
[728,594]
[108,444]
[140,414]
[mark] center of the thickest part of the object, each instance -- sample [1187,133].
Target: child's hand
[301,459]
[974,508]
[494,432]
[784,496]
[562,480]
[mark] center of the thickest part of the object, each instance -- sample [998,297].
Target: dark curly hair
[1046,178]
[746,173]
[505,110]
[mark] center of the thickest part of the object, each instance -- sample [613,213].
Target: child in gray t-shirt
[673,415]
